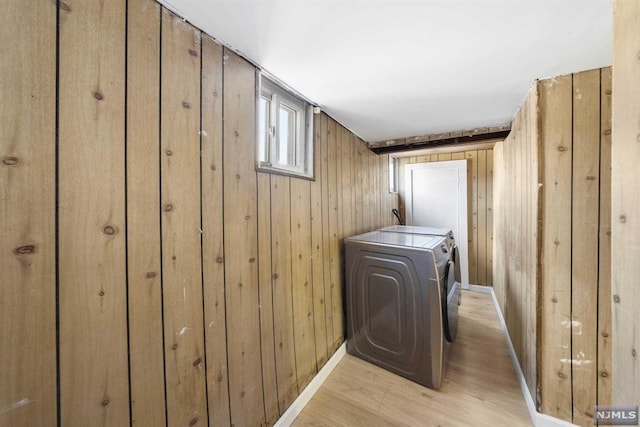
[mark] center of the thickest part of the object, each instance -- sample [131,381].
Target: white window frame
[394,174]
[300,162]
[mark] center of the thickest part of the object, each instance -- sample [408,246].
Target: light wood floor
[480,387]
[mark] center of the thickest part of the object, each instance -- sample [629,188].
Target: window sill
[284,172]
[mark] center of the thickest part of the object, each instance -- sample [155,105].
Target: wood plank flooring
[480,387]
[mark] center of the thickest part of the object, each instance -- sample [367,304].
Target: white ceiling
[396,68]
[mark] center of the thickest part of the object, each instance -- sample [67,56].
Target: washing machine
[397,302]
[453,291]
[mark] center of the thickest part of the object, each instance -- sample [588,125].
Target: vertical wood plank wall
[92,279]
[552,247]
[480,207]
[146,337]
[28,211]
[188,289]
[515,228]
[180,222]
[625,206]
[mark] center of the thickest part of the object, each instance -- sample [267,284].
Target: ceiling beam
[440,139]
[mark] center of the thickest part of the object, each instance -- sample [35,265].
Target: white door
[436,196]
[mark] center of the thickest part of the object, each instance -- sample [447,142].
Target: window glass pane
[286,135]
[263,126]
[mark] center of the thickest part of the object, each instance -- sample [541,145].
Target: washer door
[456,259]
[450,296]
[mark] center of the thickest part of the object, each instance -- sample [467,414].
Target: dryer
[396,283]
[453,289]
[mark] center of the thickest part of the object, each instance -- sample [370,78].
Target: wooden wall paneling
[359,187]
[625,205]
[512,294]
[585,223]
[528,257]
[267,303]
[281,259]
[472,169]
[514,312]
[517,316]
[555,334]
[328,221]
[454,156]
[372,192]
[525,239]
[333,241]
[490,227]
[366,185]
[146,348]
[213,235]
[94,385]
[28,202]
[374,170]
[344,163]
[317,244]
[546,253]
[604,244]
[512,308]
[356,190]
[376,173]
[346,186]
[369,191]
[532,239]
[506,221]
[539,189]
[529,237]
[424,158]
[181,222]
[383,187]
[498,226]
[336,250]
[444,157]
[241,242]
[520,316]
[305,347]
[482,217]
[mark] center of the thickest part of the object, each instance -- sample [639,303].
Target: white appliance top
[417,230]
[389,238]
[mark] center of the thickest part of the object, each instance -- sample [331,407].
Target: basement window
[285,134]
[393,174]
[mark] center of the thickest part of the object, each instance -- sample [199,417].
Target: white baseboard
[481,289]
[538,419]
[298,405]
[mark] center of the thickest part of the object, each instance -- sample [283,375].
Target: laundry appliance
[402,300]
